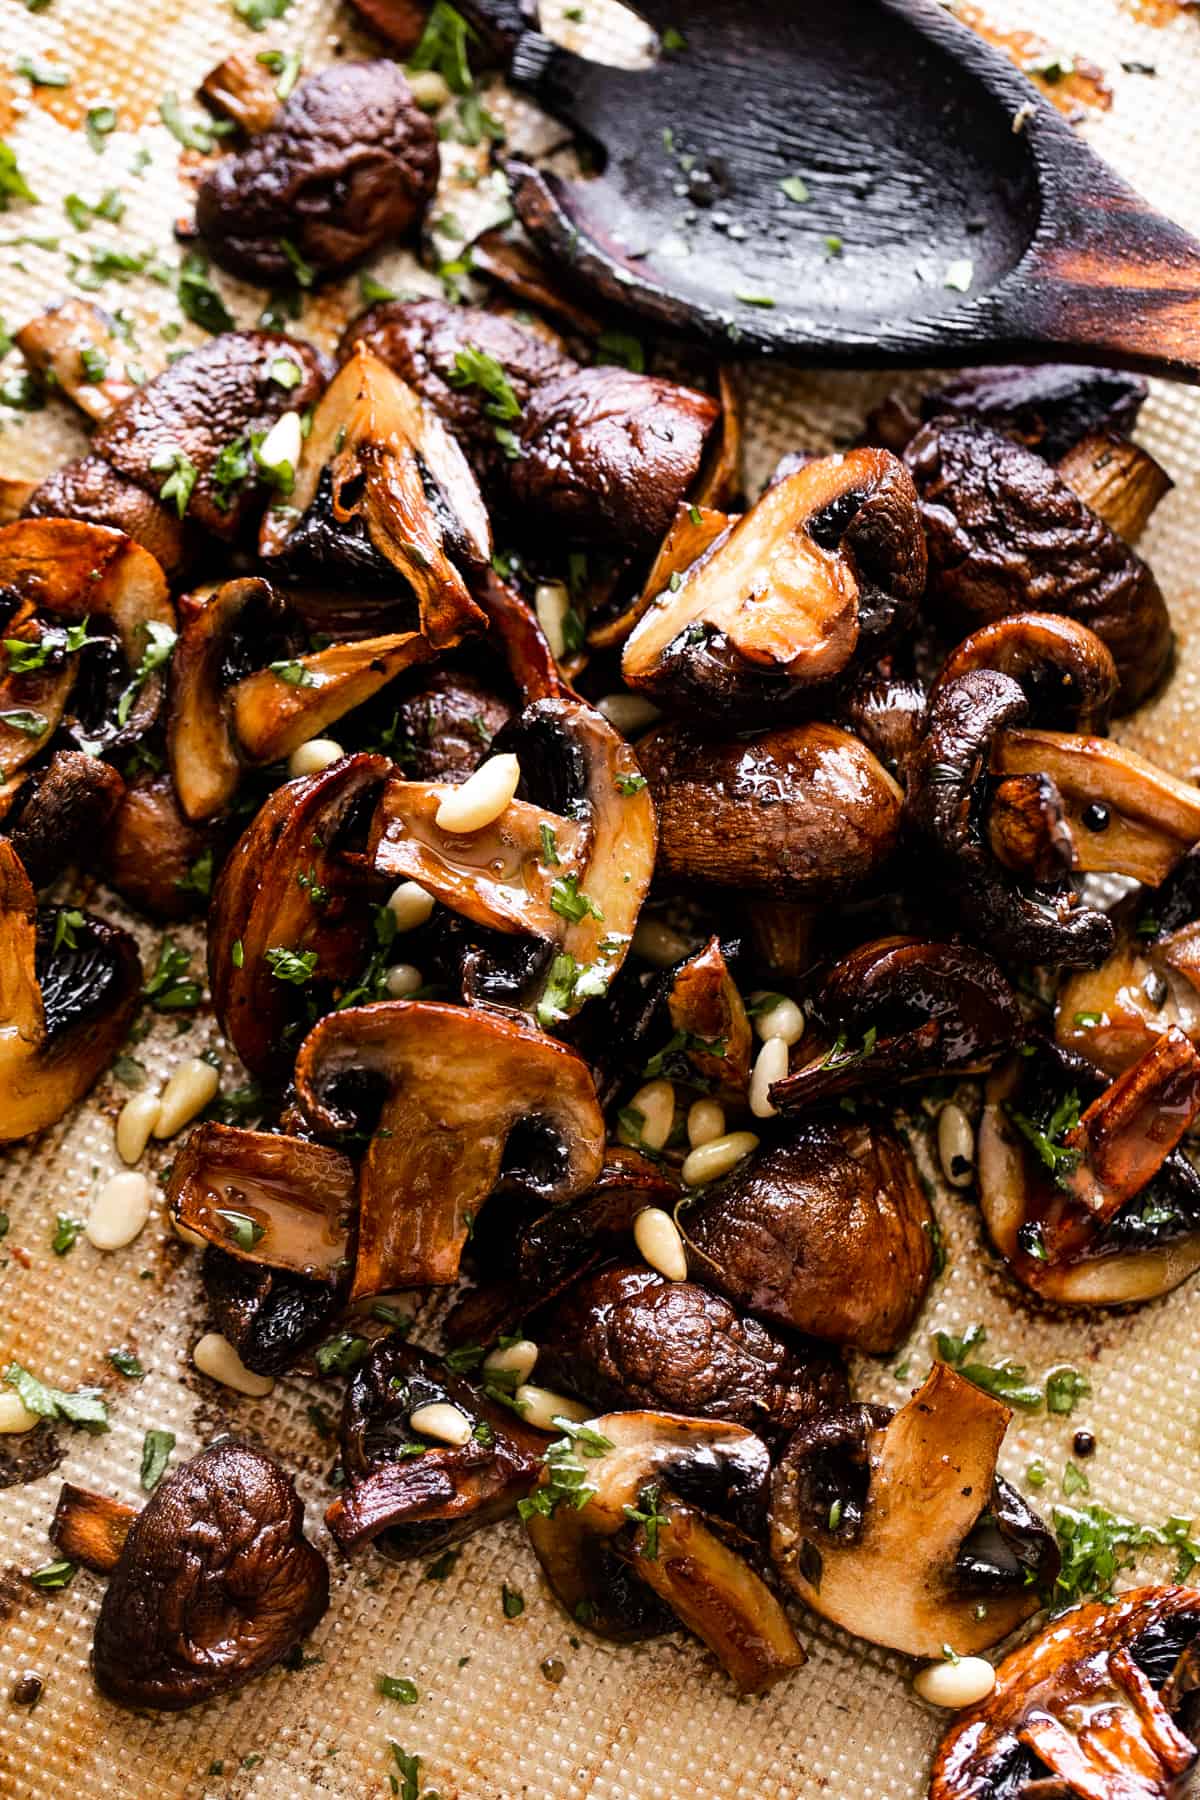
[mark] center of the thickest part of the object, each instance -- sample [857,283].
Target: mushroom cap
[1065,671]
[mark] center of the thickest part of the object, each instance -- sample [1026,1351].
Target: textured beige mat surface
[658,1723]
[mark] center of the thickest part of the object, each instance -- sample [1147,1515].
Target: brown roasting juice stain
[1071,83]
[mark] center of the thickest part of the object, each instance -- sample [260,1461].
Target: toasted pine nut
[656,943]
[552,603]
[656,1103]
[448,1424]
[958,1683]
[482,797]
[216,1357]
[515,1359]
[192,1086]
[540,1405]
[705,1121]
[317,754]
[14,1414]
[718,1157]
[770,1066]
[956,1145]
[119,1211]
[135,1122]
[411,905]
[428,89]
[783,1020]
[628,713]
[657,1237]
[403,979]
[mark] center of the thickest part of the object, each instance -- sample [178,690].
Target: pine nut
[514,1359]
[192,1087]
[552,603]
[540,1405]
[770,1066]
[705,1121]
[656,1103]
[428,89]
[216,1357]
[403,979]
[14,1414]
[628,713]
[119,1211]
[656,943]
[411,905]
[783,1020]
[311,758]
[956,1145]
[135,1122]
[448,1424]
[958,1683]
[657,1237]
[482,797]
[718,1157]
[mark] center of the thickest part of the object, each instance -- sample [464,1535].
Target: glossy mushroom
[1048,407]
[90,491]
[74,347]
[63,811]
[272,1317]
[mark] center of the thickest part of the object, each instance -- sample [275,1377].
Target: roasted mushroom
[156,858]
[458,1102]
[447,725]
[1047,406]
[271,1316]
[214,1584]
[74,345]
[90,1528]
[91,491]
[828,1233]
[348,163]
[897,1527]
[62,812]
[1092,1706]
[828,559]
[705,1006]
[642,1498]
[407,1494]
[1120,481]
[245,89]
[69,987]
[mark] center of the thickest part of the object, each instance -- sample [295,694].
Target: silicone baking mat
[654,1723]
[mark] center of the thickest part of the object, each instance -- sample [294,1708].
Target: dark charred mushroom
[1082,1188]
[73,346]
[640,1498]
[91,491]
[1090,1706]
[67,997]
[464,1100]
[1065,670]
[626,1337]
[897,1527]
[64,811]
[90,1528]
[349,162]
[1048,406]
[214,1584]
[831,558]
[828,1234]
[447,725]
[886,709]
[270,1316]
[802,813]
[902,1009]
[406,1494]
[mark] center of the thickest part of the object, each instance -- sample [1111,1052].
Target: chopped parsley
[257,14]
[245,1231]
[99,123]
[647,1515]
[199,300]
[284,63]
[293,673]
[340,1354]
[43,75]
[620,347]
[156,1454]
[303,273]
[630,784]
[1045,1132]
[197,134]
[1006,1380]
[23,719]
[127,1364]
[181,473]
[1064,1387]
[398,1687]
[67,921]
[443,47]
[53,1575]
[549,843]
[512,1601]
[13,185]
[66,1233]
[85,1407]
[172,987]
[796,189]
[160,642]
[567,901]
[296,966]
[564,1479]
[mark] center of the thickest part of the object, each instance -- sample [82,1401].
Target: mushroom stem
[90,1528]
[1117,479]
[1127,1133]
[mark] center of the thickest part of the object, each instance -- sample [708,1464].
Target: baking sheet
[652,1723]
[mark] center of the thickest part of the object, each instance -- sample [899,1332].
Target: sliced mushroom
[470,1099]
[802,813]
[65,810]
[829,557]
[54,345]
[277,1201]
[155,858]
[705,1005]
[15,496]
[214,1584]
[273,714]
[604,1519]
[243,88]
[91,491]
[692,531]
[399,22]
[288,893]
[406,1494]
[66,1001]
[1118,480]
[902,1009]
[828,1233]
[928,1546]
[348,163]
[1091,1706]
[383,490]
[90,1528]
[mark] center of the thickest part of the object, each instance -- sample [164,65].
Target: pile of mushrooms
[600,866]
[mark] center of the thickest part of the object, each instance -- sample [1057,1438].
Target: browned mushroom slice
[201,744]
[1128,1131]
[832,553]
[154,857]
[383,489]
[506,256]
[407,1494]
[803,813]
[530,659]
[65,811]
[33,698]
[400,22]
[1117,479]
[470,1099]
[273,1318]
[273,716]
[91,491]
[705,1004]
[290,911]
[243,88]
[270,1199]
[15,495]
[1089,1708]
[607,1514]
[73,344]
[693,530]
[90,1528]
[66,1001]
[720,480]
[828,1233]
[929,1546]
[215,1583]
[1067,671]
